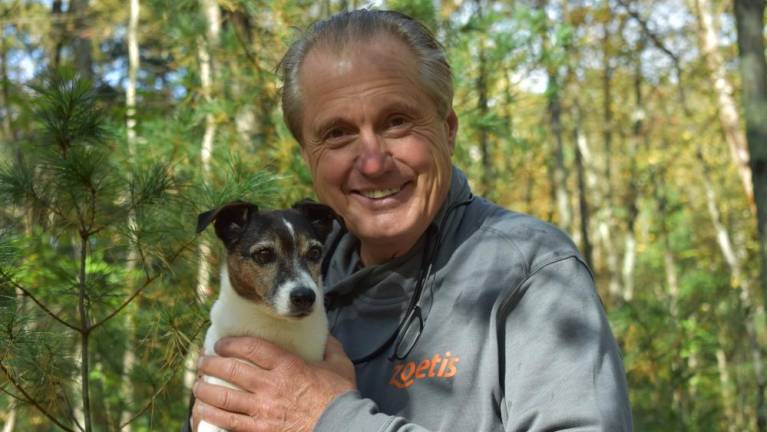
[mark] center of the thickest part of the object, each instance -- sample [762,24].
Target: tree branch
[658,43]
[649,33]
[31,400]
[146,407]
[137,291]
[7,277]
[11,395]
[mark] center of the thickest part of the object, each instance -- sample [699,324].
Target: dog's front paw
[207,427]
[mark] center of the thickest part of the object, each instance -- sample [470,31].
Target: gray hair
[340,30]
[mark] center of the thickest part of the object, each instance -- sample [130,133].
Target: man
[458,315]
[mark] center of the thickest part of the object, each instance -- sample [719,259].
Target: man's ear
[320,216]
[452,129]
[230,220]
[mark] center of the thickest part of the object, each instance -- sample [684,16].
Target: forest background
[623,122]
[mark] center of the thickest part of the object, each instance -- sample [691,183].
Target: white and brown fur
[270,280]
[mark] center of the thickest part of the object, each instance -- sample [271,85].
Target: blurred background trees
[636,126]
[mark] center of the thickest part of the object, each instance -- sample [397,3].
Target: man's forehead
[382,52]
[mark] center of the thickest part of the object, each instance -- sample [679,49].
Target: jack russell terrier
[270,281]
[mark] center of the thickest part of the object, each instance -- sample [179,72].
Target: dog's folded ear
[320,215]
[230,220]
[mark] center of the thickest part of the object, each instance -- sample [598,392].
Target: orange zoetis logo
[405,374]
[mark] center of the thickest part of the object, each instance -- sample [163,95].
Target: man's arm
[563,369]
[352,412]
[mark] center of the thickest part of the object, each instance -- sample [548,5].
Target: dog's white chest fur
[233,315]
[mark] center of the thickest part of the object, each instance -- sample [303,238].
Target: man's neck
[374,253]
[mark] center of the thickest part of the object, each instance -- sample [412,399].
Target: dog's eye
[314,253]
[264,255]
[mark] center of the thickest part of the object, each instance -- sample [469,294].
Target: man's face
[378,151]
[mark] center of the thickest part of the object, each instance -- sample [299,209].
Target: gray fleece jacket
[514,338]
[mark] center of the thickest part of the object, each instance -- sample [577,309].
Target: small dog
[270,280]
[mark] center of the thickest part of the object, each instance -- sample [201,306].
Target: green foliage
[71,178]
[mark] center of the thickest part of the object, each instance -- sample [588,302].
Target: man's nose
[374,157]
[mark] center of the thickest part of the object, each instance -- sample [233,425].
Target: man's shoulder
[537,242]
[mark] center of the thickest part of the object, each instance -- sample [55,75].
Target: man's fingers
[264,354]
[233,371]
[233,422]
[225,398]
[333,348]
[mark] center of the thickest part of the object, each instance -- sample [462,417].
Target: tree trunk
[606,214]
[728,113]
[740,280]
[554,110]
[749,17]
[207,77]
[81,44]
[129,356]
[133,66]
[583,190]
[57,34]
[629,254]
[727,386]
[10,421]
[5,94]
[482,107]
[85,328]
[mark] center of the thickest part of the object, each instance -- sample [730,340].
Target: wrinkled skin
[282,392]
[369,127]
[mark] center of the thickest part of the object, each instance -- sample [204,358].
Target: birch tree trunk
[583,189]
[740,280]
[207,76]
[129,356]
[749,18]
[605,220]
[728,112]
[10,421]
[587,160]
[727,387]
[630,252]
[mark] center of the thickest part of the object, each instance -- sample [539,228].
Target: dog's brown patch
[248,279]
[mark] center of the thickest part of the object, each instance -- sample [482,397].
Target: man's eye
[264,255]
[314,253]
[397,121]
[334,134]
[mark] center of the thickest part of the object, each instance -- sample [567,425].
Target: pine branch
[29,399]
[11,395]
[147,406]
[137,291]
[6,277]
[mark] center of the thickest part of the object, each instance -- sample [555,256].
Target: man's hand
[280,391]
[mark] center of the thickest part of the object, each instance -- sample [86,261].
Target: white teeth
[380,193]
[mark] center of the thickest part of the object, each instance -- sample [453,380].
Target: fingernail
[199,361]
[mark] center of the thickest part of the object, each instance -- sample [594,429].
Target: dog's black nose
[302,298]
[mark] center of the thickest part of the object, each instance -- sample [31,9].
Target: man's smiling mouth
[378,193]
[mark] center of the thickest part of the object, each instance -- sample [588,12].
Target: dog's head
[273,258]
